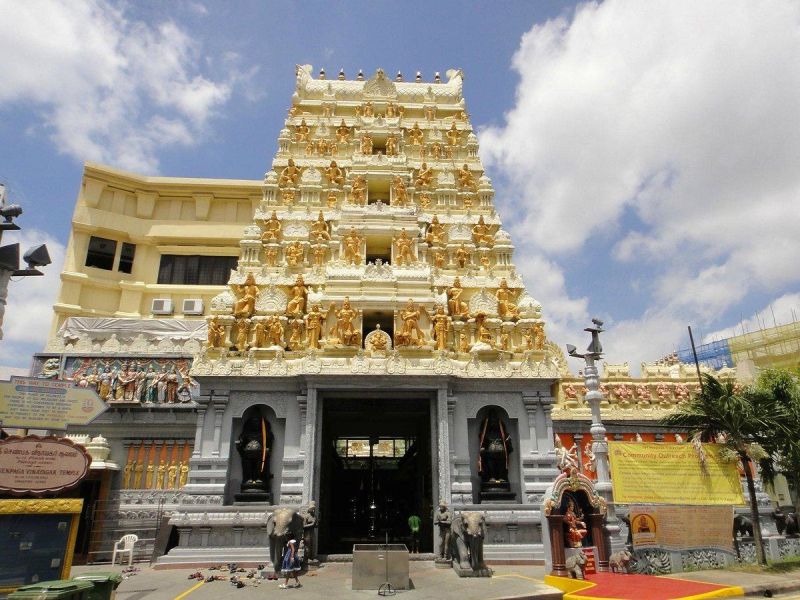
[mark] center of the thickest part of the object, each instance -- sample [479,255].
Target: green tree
[783,448]
[742,420]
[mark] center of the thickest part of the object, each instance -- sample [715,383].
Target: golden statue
[391,145]
[464,175]
[435,234]
[424,200]
[319,229]
[291,112]
[462,256]
[352,247]
[314,321]
[343,133]
[289,175]
[137,475]
[527,337]
[271,229]
[272,256]
[287,196]
[436,150]
[296,335]
[430,112]
[410,334]
[294,254]
[245,306]
[456,306]
[391,111]
[216,333]
[469,201]
[415,135]
[148,477]
[366,144]
[484,335]
[297,305]
[424,176]
[161,471]
[172,476]
[462,115]
[184,474]
[301,132]
[453,135]
[485,261]
[505,340]
[242,333]
[439,259]
[399,194]
[378,342]
[368,110]
[463,342]
[331,201]
[481,234]
[344,324]
[505,305]
[441,325]
[128,471]
[334,174]
[275,329]
[538,336]
[405,253]
[358,193]
[260,334]
[319,255]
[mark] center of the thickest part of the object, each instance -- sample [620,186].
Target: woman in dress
[290,565]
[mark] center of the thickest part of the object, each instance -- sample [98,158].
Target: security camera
[38,256]
[10,211]
[597,322]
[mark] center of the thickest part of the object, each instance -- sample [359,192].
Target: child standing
[290,565]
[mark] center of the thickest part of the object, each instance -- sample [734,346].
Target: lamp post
[9,255]
[599,444]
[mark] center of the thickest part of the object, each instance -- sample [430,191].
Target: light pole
[599,444]
[9,255]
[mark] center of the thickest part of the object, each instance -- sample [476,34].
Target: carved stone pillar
[531,403]
[443,443]
[309,434]
[302,405]
[198,432]
[219,410]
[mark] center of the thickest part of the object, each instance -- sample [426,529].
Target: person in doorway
[290,566]
[413,524]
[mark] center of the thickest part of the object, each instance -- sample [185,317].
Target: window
[101,253]
[178,269]
[126,258]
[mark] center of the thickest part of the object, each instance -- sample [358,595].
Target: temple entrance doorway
[376,472]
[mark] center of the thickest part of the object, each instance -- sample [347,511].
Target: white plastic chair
[125,544]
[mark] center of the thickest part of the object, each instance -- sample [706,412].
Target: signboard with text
[682,527]
[656,473]
[34,403]
[35,465]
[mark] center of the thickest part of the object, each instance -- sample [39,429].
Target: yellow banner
[654,473]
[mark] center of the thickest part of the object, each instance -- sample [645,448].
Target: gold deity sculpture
[481,233]
[415,135]
[319,230]
[275,331]
[290,175]
[342,133]
[161,472]
[430,112]
[366,144]
[148,477]
[424,200]
[184,474]
[291,112]
[287,196]
[216,333]
[128,472]
[505,305]
[453,135]
[436,150]
[334,174]
[314,320]
[483,333]
[272,256]
[358,193]
[435,234]
[505,341]
[296,335]
[485,261]
[462,256]
[439,259]
[345,332]
[242,334]
[463,342]
[138,469]
[352,247]
[391,145]
[441,326]
[465,178]
[391,110]
[320,252]
[405,252]
[399,194]
[294,254]
[538,336]
[410,334]
[297,305]
[424,176]
[378,343]
[245,306]
[301,132]
[332,200]
[271,230]
[172,476]
[260,334]
[368,110]
[456,306]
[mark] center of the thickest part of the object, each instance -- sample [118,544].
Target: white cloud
[670,126]
[109,88]
[29,310]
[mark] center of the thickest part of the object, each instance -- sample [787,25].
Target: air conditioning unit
[161,306]
[193,306]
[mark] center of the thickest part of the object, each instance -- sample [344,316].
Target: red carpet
[642,587]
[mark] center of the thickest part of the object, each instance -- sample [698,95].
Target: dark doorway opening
[375,472]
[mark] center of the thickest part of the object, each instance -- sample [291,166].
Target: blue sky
[645,154]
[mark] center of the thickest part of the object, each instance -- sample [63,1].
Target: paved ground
[332,582]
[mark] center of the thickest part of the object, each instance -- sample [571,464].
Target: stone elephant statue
[469,532]
[283,524]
